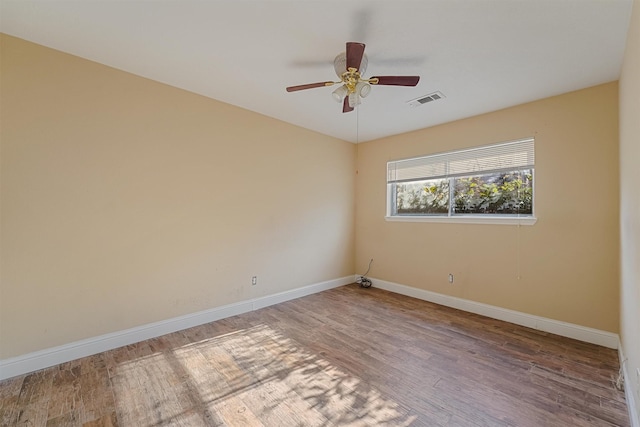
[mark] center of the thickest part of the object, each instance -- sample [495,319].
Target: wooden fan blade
[397,80]
[355,51]
[345,105]
[308,86]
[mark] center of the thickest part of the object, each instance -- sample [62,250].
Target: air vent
[426,99]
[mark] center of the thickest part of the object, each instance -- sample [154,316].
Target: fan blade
[345,105]
[397,80]
[355,51]
[309,86]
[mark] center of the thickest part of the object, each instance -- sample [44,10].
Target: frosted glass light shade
[340,93]
[354,100]
[340,64]
[363,89]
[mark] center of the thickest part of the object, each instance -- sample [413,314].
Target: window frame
[450,217]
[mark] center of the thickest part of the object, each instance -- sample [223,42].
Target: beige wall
[125,201]
[565,267]
[630,202]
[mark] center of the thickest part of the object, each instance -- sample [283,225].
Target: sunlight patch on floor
[253,376]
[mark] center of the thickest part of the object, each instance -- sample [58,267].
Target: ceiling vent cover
[426,99]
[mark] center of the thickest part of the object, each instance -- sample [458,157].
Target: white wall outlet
[450,278]
[254,280]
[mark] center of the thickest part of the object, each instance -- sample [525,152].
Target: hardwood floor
[347,356]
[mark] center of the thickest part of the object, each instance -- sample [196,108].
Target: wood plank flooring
[344,357]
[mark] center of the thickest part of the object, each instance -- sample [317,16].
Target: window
[492,184]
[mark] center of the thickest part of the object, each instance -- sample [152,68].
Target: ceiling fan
[350,66]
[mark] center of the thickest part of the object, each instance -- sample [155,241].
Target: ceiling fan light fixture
[363,89]
[340,93]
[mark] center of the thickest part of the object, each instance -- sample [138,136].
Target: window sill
[495,220]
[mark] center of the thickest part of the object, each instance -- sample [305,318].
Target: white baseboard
[570,330]
[53,356]
[632,405]
[266,301]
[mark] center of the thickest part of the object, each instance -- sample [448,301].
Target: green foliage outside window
[492,194]
[423,197]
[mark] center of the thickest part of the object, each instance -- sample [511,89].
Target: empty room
[320,213]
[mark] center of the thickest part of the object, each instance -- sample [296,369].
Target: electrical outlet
[450,278]
[254,280]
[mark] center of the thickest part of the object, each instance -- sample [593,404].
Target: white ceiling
[483,55]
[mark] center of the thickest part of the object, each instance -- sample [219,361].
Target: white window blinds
[503,157]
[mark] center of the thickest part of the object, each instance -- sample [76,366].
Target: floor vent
[426,99]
